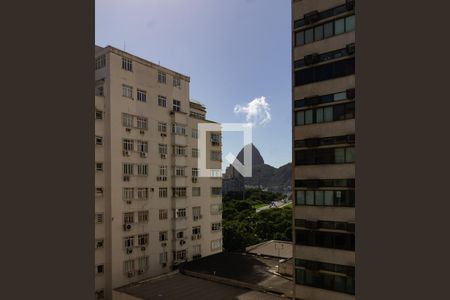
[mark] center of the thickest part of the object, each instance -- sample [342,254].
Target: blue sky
[235,51]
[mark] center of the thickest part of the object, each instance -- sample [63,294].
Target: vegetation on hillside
[243,227]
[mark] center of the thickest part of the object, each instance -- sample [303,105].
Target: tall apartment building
[152,210]
[323,105]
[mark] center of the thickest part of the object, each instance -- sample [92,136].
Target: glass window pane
[318,33]
[309,116]
[309,36]
[328,114]
[319,115]
[339,26]
[340,96]
[300,198]
[328,30]
[339,283]
[329,198]
[339,155]
[300,117]
[309,197]
[299,38]
[319,197]
[350,23]
[350,155]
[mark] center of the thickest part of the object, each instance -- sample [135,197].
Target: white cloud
[257,111]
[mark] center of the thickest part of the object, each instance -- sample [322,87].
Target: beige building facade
[152,210]
[323,106]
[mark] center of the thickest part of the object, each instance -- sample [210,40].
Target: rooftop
[179,286]
[273,248]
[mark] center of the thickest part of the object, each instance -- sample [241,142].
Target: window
[179,192]
[99,269]
[323,31]
[128,266]
[98,114]
[343,198]
[180,255]
[143,216]
[327,71]
[180,234]
[180,150]
[99,91]
[128,241]
[180,171]
[128,218]
[194,133]
[176,82]
[128,169]
[180,213]
[176,105]
[142,122]
[163,236]
[163,193]
[195,191]
[142,146]
[325,239]
[127,120]
[128,145]
[142,193]
[162,148]
[216,226]
[98,140]
[143,239]
[216,245]
[196,230]
[99,243]
[127,64]
[163,170]
[178,129]
[141,95]
[162,101]
[163,258]
[99,166]
[128,193]
[98,218]
[216,209]
[328,281]
[163,214]
[216,155]
[325,156]
[194,172]
[216,191]
[161,77]
[195,152]
[143,263]
[197,250]
[162,127]
[100,62]
[338,112]
[216,139]
[127,91]
[196,212]
[142,170]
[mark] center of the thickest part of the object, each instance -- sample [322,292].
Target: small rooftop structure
[272,248]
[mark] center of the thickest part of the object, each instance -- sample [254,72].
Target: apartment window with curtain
[127,91]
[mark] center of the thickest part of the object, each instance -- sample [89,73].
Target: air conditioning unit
[163,134]
[143,154]
[311,59]
[194,179]
[127,227]
[163,244]
[350,4]
[99,245]
[350,93]
[311,17]
[164,156]
[142,132]
[129,250]
[126,153]
[126,178]
[182,242]
[152,189]
[350,48]
[128,201]
[172,112]
[128,129]
[143,248]
[140,272]
[130,274]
